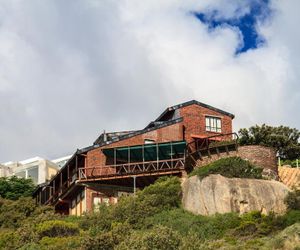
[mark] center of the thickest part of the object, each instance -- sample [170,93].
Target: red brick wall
[260,156]
[96,158]
[194,121]
[98,192]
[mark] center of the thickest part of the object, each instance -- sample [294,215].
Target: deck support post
[143,155]
[171,155]
[115,156]
[61,187]
[157,155]
[134,185]
[76,166]
[68,175]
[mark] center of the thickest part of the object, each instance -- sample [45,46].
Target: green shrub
[120,231]
[14,213]
[191,242]
[230,167]
[205,227]
[288,219]
[102,242]
[159,237]
[57,228]
[61,243]
[164,194]
[13,188]
[289,238]
[246,228]
[292,163]
[9,240]
[96,222]
[292,200]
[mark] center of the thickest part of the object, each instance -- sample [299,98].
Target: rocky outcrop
[218,194]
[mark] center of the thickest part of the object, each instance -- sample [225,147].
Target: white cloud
[68,70]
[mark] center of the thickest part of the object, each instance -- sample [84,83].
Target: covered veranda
[138,160]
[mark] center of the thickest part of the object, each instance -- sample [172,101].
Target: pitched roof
[109,136]
[184,104]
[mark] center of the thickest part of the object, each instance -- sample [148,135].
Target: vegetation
[292,163]
[292,200]
[153,219]
[230,167]
[13,188]
[284,139]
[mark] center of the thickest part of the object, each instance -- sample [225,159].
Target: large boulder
[218,194]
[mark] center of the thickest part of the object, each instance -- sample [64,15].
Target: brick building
[119,162]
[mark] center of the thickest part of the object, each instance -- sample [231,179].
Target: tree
[284,139]
[13,188]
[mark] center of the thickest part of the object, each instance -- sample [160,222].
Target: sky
[71,69]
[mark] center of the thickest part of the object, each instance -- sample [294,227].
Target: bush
[230,167]
[164,194]
[9,240]
[14,213]
[292,200]
[57,228]
[61,243]
[13,188]
[97,222]
[159,237]
[289,238]
[288,219]
[292,163]
[101,242]
[205,227]
[284,139]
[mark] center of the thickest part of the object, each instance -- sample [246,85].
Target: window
[21,174]
[213,124]
[33,173]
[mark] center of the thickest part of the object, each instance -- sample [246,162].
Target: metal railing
[131,168]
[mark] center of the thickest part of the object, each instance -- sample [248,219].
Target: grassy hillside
[153,219]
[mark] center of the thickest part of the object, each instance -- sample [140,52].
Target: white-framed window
[213,124]
[29,173]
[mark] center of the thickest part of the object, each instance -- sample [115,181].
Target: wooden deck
[161,167]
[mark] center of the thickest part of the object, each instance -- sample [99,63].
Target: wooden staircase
[207,151]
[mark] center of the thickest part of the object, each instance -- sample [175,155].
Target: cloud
[70,70]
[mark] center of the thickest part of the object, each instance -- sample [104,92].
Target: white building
[61,161]
[38,169]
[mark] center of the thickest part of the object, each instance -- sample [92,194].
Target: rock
[218,194]
[269,174]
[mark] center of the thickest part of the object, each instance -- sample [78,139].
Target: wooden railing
[131,169]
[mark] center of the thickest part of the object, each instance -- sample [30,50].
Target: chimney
[104,136]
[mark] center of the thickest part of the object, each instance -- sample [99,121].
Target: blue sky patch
[259,11]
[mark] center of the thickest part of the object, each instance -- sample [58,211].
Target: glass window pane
[218,123]
[33,173]
[21,174]
[207,121]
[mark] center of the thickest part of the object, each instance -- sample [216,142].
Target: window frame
[213,124]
